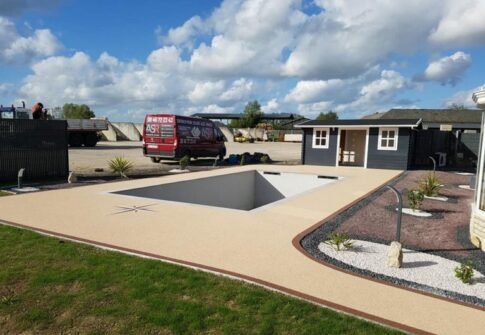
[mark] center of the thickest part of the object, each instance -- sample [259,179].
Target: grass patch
[3,193]
[49,286]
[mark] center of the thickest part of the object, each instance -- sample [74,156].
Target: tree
[74,111]
[327,116]
[251,116]
[457,107]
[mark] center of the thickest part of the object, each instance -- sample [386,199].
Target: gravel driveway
[85,160]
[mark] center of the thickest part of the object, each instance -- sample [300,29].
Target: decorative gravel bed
[445,234]
[420,270]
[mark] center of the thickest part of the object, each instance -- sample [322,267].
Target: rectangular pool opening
[242,190]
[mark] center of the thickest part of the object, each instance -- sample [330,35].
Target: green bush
[184,162]
[464,272]
[339,241]
[265,159]
[430,185]
[120,165]
[415,199]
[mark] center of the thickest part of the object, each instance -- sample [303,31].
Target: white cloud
[248,38]
[205,92]
[448,70]
[240,90]
[5,88]
[312,110]
[358,96]
[163,83]
[104,82]
[349,37]
[462,24]
[462,98]
[184,34]
[271,106]
[216,109]
[307,91]
[17,49]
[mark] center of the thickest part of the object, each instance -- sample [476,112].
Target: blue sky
[128,58]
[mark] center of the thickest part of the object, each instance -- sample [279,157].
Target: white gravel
[416,212]
[418,267]
[436,198]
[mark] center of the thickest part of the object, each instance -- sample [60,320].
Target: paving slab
[251,245]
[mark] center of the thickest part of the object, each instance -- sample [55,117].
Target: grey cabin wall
[389,159]
[312,156]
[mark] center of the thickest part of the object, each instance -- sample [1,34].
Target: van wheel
[155,159]
[222,154]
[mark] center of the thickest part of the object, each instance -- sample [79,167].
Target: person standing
[37,111]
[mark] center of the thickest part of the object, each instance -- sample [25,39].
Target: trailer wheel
[75,139]
[90,139]
[155,159]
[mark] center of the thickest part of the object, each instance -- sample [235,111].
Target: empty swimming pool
[246,190]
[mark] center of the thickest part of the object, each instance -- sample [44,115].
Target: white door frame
[366,144]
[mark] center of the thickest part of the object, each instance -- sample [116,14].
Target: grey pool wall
[242,190]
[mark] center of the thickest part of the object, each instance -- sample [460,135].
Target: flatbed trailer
[80,131]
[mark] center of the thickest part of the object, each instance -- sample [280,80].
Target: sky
[126,58]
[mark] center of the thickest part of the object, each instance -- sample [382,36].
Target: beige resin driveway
[255,246]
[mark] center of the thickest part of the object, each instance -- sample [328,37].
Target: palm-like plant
[430,186]
[120,165]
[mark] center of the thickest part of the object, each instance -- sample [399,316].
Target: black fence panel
[461,152]
[39,146]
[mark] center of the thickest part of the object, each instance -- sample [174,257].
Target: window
[320,138]
[387,139]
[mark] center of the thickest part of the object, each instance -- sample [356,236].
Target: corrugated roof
[360,122]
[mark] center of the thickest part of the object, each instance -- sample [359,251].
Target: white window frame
[379,139]
[327,138]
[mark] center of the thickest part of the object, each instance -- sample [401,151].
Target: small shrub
[339,241]
[184,162]
[430,185]
[265,159]
[120,165]
[464,272]
[415,199]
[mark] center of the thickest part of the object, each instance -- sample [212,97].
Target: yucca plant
[339,241]
[120,165]
[415,199]
[430,185]
[464,272]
